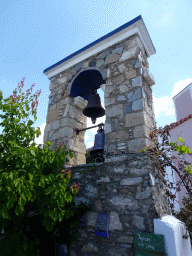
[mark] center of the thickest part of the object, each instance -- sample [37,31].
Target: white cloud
[90,144]
[179,86]
[164,106]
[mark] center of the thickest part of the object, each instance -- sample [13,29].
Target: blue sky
[36,34]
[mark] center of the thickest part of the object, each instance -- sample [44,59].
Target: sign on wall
[101,227]
[147,244]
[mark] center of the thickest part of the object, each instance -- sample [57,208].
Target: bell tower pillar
[116,63]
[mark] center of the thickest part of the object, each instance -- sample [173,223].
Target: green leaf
[33,152]
[4,212]
[180,139]
[142,150]
[60,216]
[70,153]
[38,132]
[30,176]
[22,200]
[189,169]
[48,143]
[29,123]
[42,182]
[19,209]
[172,144]
[46,213]
[49,190]
[37,241]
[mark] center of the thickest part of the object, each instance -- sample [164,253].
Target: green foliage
[29,179]
[89,159]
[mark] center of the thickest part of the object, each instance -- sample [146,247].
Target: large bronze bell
[94,108]
[98,148]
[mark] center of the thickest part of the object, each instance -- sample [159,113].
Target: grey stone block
[118,50]
[112,58]
[90,191]
[105,54]
[130,181]
[127,108]
[56,124]
[137,105]
[121,98]
[137,81]
[99,63]
[114,221]
[134,96]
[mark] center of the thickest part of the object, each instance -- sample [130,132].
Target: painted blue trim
[95,42]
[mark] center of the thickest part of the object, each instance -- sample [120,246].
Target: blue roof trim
[95,42]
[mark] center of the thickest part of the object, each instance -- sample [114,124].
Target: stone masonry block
[141,131]
[114,221]
[80,159]
[138,222]
[80,147]
[121,98]
[137,81]
[132,53]
[118,50]
[66,132]
[128,108]
[117,136]
[53,107]
[148,76]
[90,247]
[67,100]
[108,128]
[139,172]
[56,124]
[137,144]
[45,136]
[128,202]
[130,74]
[62,80]
[137,104]
[112,58]
[122,68]
[67,121]
[80,103]
[134,96]
[109,101]
[118,79]
[123,88]
[131,181]
[52,115]
[99,63]
[133,119]
[116,110]
[69,111]
[104,73]
[91,218]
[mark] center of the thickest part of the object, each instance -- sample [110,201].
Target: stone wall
[126,186]
[127,96]
[129,189]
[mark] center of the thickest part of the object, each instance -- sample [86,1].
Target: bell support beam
[78,130]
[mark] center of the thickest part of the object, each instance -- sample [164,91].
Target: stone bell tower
[116,63]
[126,191]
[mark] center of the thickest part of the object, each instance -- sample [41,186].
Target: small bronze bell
[98,148]
[94,108]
